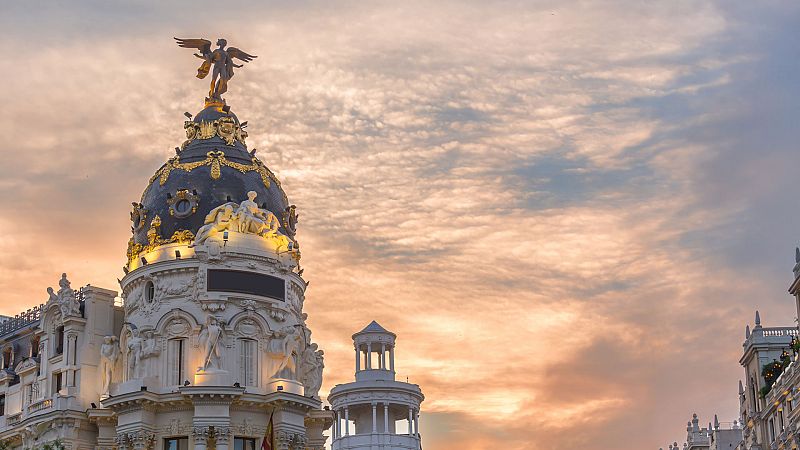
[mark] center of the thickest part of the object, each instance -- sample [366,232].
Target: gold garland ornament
[154,240]
[224,127]
[215,159]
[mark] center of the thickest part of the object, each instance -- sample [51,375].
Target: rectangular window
[244,444]
[176,364]
[771,430]
[176,443]
[59,340]
[247,362]
[57,378]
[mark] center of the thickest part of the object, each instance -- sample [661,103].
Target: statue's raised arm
[219,60]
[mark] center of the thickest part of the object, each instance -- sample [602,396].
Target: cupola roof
[213,166]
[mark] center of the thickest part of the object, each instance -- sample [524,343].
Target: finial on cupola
[747,332]
[758,319]
[716,422]
[741,388]
[797,254]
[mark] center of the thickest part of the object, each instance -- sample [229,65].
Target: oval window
[183,206]
[149,292]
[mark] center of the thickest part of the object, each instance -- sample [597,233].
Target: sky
[567,210]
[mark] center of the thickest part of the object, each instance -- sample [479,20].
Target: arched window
[7,354]
[247,362]
[176,364]
[149,292]
[35,347]
[59,340]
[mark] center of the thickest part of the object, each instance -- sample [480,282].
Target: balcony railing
[40,405]
[13,419]
[21,320]
[367,441]
[31,316]
[771,334]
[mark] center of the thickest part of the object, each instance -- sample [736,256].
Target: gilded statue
[219,62]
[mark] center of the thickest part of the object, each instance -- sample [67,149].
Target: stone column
[222,436]
[391,358]
[369,356]
[358,359]
[410,421]
[374,417]
[122,441]
[283,441]
[346,421]
[386,418]
[416,423]
[337,424]
[72,343]
[142,440]
[383,356]
[287,440]
[200,435]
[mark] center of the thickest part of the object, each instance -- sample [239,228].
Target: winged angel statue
[221,59]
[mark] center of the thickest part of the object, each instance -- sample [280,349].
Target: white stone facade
[209,347]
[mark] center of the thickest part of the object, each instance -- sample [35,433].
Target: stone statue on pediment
[65,298]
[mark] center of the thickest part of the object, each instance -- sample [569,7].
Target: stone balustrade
[40,405]
[13,419]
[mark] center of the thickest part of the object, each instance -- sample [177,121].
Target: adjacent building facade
[769,396]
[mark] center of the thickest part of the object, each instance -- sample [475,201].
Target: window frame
[177,440]
[244,440]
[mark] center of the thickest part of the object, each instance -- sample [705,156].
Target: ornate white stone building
[770,395]
[209,345]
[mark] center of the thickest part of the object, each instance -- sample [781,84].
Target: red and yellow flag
[269,436]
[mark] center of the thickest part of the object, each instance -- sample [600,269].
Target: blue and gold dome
[213,166]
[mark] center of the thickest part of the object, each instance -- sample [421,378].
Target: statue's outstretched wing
[234,52]
[204,45]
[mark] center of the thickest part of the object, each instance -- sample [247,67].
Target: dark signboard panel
[246,283]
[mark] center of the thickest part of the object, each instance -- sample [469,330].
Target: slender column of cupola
[374,417]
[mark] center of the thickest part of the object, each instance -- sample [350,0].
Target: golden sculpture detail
[219,62]
[215,159]
[154,239]
[138,216]
[224,127]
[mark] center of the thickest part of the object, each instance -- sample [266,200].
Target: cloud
[559,207]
